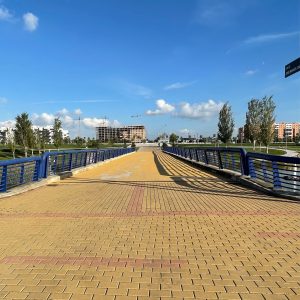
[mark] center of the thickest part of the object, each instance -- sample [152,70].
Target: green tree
[38,139]
[297,138]
[67,140]
[253,121]
[173,139]
[79,141]
[226,124]
[11,142]
[32,141]
[23,131]
[267,121]
[92,143]
[57,133]
[45,138]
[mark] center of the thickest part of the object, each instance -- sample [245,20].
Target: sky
[167,64]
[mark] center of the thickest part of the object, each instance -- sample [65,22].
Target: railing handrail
[15,161]
[282,172]
[13,171]
[278,158]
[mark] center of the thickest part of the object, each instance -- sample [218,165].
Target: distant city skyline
[168,65]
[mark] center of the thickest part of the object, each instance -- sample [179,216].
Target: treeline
[259,124]
[30,139]
[26,137]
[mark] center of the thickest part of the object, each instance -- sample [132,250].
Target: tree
[79,141]
[92,143]
[297,138]
[57,133]
[45,138]
[226,124]
[253,121]
[32,141]
[267,121]
[23,131]
[173,139]
[67,140]
[11,142]
[38,140]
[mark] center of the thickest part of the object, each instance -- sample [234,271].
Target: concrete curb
[28,187]
[237,177]
[35,185]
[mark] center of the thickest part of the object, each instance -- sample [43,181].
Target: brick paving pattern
[148,226]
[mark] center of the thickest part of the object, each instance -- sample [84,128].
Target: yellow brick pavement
[148,226]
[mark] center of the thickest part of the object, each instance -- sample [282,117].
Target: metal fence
[280,173]
[16,172]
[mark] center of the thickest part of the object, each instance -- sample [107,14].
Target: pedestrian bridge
[148,226]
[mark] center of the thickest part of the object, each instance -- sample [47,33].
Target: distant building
[4,134]
[135,133]
[286,131]
[45,132]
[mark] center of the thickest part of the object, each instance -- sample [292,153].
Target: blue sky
[171,64]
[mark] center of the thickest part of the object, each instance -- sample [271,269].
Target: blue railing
[280,173]
[16,172]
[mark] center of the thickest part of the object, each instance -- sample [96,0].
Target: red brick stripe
[136,201]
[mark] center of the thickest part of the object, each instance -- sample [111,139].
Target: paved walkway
[148,226]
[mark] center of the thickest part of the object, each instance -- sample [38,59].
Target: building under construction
[132,133]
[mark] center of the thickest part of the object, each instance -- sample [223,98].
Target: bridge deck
[148,226]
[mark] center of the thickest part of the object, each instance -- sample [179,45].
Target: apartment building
[46,133]
[135,133]
[5,134]
[286,131]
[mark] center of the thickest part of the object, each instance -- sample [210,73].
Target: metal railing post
[70,161]
[22,174]
[220,159]
[36,170]
[3,185]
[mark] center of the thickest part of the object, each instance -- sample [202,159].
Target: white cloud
[5,14]
[78,112]
[270,37]
[31,21]
[184,131]
[70,121]
[43,119]
[3,100]
[63,112]
[204,110]
[67,121]
[178,85]
[162,108]
[7,124]
[96,122]
[251,72]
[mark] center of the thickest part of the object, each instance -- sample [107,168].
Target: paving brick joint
[148,226]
